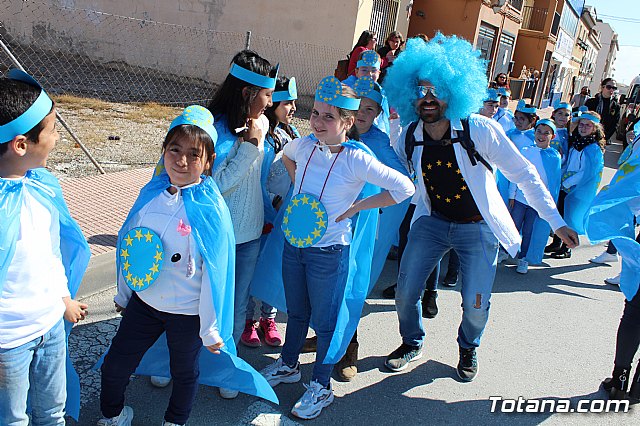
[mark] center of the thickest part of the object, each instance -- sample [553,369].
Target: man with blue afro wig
[451,153]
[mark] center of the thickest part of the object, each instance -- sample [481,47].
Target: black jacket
[610,118]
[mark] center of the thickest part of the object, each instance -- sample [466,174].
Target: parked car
[629,110]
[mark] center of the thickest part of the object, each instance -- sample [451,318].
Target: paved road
[551,335]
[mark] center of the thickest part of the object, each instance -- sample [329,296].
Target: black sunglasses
[610,87]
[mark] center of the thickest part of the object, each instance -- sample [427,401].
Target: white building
[607,55]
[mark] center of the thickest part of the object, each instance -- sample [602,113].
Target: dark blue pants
[140,327]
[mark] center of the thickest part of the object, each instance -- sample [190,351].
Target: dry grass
[141,113]
[77,103]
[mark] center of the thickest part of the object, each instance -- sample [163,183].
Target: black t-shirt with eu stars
[446,187]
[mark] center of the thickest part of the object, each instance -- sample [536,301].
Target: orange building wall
[459,17]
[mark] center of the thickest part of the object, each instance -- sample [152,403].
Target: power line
[620,18]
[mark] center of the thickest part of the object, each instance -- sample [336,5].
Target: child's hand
[215,349]
[74,311]
[119,309]
[253,134]
[349,213]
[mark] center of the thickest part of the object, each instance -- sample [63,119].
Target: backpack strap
[410,144]
[469,146]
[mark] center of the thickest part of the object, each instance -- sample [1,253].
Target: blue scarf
[73,247]
[213,232]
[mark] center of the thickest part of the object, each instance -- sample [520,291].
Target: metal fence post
[247,43]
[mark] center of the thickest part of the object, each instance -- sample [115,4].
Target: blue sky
[624,18]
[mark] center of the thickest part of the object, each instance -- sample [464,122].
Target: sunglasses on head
[610,87]
[421,91]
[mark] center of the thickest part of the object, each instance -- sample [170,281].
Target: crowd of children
[243,209]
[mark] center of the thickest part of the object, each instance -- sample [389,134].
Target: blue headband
[32,116]
[253,77]
[365,88]
[522,107]
[369,58]
[561,105]
[329,91]
[198,116]
[492,96]
[291,94]
[549,123]
[504,92]
[585,115]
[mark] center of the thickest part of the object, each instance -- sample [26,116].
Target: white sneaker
[279,372]
[502,255]
[310,405]
[228,393]
[604,258]
[523,266]
[165,423]
[613,280]
[123,419]
[160,382]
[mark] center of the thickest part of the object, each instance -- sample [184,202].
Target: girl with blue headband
[275,186]
[330,171]
[238,107]
[504,115]
[581,175]
[175,273]
[535,231]
[561,116]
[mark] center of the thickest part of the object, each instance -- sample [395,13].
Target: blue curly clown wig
[451,64]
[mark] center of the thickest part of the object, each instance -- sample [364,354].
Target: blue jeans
[139,329]
[524,218]
[429,239]
[314,282]
[266,310]
[246,259]
[37,369]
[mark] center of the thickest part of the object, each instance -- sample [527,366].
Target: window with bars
[384,16]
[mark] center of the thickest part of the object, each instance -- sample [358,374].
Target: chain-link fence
[93,54]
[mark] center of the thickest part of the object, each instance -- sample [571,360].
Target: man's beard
[430,116]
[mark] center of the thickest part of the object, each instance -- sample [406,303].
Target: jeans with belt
[430,238]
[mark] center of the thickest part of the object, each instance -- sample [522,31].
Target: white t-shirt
[352,169]
[531,153]
[31,300]
[173,291]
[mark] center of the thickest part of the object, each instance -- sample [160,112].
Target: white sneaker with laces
[279,372]
[613,280]
[310,405]
[228,393]
[123,419]
[502,255]
[523,266]
[604,258]
[160,382]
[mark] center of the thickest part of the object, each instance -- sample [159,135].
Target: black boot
[390,292]
[563,253]
[429,305]
[616,385]
[634,391]
[554,246]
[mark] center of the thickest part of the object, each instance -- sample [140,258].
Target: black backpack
[474,156]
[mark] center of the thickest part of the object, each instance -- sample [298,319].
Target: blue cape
[382,120]
[610,217]
[267,283]
[580,196]
[561,143]
[390,217]
[73,247]
[225,141]
[540,233]
[213,232]
[520,139]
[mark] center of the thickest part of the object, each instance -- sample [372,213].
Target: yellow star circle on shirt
[305,221]
[141,261]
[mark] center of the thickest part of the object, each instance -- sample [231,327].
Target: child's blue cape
[73,247]
[561,143]
[540,234]
[213,232]
[610,217]
[382,120]
[390,217]
[269,155]
[580,196]
[225,141]
[520,139]
[267,283]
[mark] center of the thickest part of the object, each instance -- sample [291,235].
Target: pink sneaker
[270,330]
[249,336]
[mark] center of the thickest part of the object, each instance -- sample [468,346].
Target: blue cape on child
[213,232]
[267,283]
[73,247]
[610,217]
[580,196]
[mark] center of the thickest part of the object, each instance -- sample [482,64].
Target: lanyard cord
[329,173]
